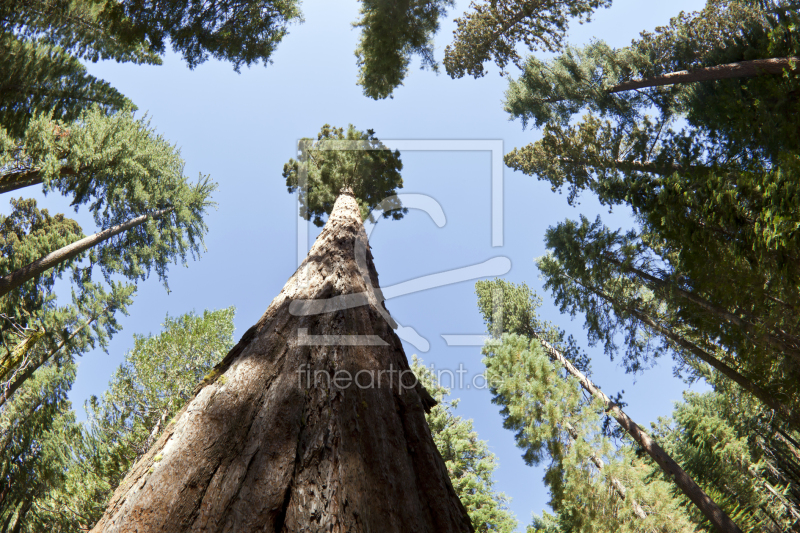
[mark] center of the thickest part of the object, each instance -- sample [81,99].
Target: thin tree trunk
[18,180]
[25,178]
[741,69]
[18,380]
[618,487]
[704,503]
[18,277]
[768,399]
[772,340]
[273,441]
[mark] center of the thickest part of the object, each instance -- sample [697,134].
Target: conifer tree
[592,484]
[354,160]
[33,428]
[524,381]
[469,462]
[614,280]
[148,213]
[492,30]
[393,31]
[740,452]
[276,437]
[711,269]
[155,379]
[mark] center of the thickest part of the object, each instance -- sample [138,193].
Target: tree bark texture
[267,443]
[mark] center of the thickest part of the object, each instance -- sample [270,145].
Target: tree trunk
[277,439]
[16,381]
[701,500]
[13,280]
[744,382]
[618,487]
[742,69]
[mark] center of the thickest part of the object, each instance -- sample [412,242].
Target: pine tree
[537,401]
[710,273]
[614,279]
[33,427]
[393,31]
[492,31]
[740,453]
[469,462]
[149,216]
[154,381]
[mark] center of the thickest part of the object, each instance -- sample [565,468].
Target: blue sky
[242,128]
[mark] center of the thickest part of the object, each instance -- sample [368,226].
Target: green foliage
[710,171]
[492,31]
[339,161]
[27,234]
[510,308]
[242,31]
[120,168]
[741,455]
[469,462]
[742,120]
[153,383]
[615,279]
[33,429]
[393,31]
[40,78]
[552,420]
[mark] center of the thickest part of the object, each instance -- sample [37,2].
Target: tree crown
[338,161]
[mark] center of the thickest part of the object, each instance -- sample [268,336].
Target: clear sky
[242,128]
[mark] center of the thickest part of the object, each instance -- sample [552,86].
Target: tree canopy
[337,161]
[709,170]
[492,30]
[392,32]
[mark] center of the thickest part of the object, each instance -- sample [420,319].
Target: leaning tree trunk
[268,443]
[721,521]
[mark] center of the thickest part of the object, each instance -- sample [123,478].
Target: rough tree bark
[268,443]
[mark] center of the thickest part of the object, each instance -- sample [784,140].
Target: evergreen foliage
[34,427]
[710,171]
[553,421]
[340,161]
[43,78]
[157,377]
[620,285]
[469,462]
[242,32]
[393,31]
[492,31]
[745,457]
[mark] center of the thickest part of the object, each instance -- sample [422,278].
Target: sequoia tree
[314,421]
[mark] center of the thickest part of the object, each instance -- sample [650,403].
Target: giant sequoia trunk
[269,443]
